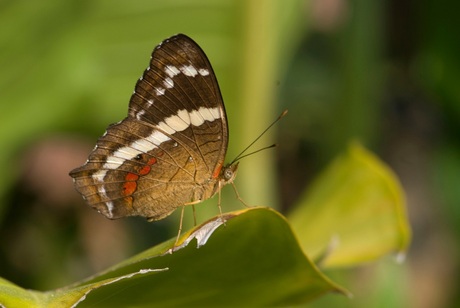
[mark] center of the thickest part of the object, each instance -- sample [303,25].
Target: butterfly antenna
[241,155]
[254,152]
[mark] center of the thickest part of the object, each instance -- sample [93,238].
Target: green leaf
[12,295]
[233,265]
[353,213]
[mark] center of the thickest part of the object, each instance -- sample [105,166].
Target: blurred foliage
[383,72]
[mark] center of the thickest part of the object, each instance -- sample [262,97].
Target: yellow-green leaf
[354,212]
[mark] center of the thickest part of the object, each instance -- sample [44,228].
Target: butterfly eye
[228,174]
[138,157]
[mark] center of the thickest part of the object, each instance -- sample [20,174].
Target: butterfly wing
[167,151]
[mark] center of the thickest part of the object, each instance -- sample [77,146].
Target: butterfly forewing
[179,77]
[167,151]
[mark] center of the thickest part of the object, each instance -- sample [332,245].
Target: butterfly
[170,150]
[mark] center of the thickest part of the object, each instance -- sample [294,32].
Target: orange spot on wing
[130,185]
[216,172]
[131,177]
[144,170]
[129,188]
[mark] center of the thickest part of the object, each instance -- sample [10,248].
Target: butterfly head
[228,173]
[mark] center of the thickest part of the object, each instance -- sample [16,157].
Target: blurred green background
[382,72]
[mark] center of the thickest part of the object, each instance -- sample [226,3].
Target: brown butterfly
[170,149]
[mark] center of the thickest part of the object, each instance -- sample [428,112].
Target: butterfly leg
[238,196]
[219,204]
[180,225]
[182,219]
[194,214]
